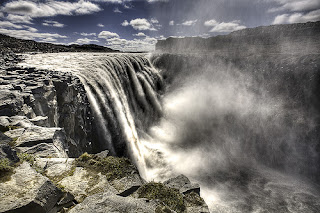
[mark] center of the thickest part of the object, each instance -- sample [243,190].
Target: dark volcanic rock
[46,98]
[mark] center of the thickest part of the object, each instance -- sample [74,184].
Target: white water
[204,121]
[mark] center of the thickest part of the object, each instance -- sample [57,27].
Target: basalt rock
[43,98]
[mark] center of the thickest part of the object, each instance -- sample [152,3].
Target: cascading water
[243,134]
[123,91]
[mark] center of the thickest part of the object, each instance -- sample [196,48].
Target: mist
[231,131]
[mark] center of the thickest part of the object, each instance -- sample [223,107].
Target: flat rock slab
[43,142]
[127,185]
[183,184]
[106,202]
[28,191]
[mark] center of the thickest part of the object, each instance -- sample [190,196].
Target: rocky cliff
[291,38]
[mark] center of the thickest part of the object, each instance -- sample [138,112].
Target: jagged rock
[28,191]
[6,151]
[127,185]
[103,154]
[40,121]
[83,183]
[44,142]
[183,184]
[106,202]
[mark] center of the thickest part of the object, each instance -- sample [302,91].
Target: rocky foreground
[46,124]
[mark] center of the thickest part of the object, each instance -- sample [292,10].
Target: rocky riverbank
[46,124]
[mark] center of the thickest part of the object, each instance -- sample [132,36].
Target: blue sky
[136,25]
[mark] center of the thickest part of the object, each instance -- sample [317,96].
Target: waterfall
[248,135]
[123,91]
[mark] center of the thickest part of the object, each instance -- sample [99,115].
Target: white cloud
[49,39]
[52,24]
[154,21]
[19,19]
[224,27]
[140,34]
[27,34]
[50,8]
[171,23]
[116,10]
[189,23]
[88,34]
[8,24]
[108,35]
[135,45]
[297,17]
[100,25]
[140,24]
[85,41]
[125,23]
[295,5]
[211,23]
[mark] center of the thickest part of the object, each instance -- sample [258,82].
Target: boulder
[106,202]
[82,183]
[28,191]
[183,184]
[7,152]
[43,142]
[127,185]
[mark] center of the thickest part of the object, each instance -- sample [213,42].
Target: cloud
[147,44]
[297,17]
[85,41]
[140,24]
[28,34]
[295,5]
[19,19]
[125,23]
[189,23]
[171,23]
[108,35]
[224,27]
[50,8]
[116,10]
[7,24]
[100,25]
[88,34]
[50,39]
[52,24]
[140,34]
[211,23]
[154,21]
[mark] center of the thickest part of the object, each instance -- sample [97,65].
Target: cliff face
[49,99]
[275,39]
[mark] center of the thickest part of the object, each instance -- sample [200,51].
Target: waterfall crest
[123,91]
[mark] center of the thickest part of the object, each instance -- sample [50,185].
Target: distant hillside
[10,44]
[290,38]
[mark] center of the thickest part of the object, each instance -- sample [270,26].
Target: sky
[136,25]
